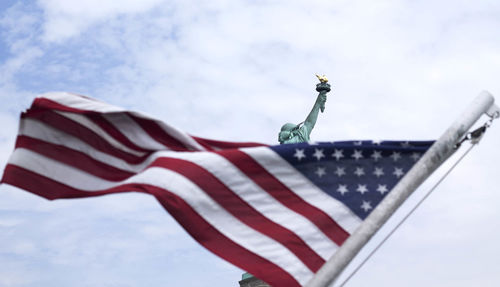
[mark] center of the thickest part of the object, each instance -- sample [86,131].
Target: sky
[237,71]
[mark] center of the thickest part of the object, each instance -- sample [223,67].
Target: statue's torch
[322,87]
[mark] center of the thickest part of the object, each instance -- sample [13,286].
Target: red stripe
[73,158]
[153,129]
[113,131]
[214,144]
[202,231]
[288,198]
[203,144]
[242,210]
[81,132]
[41,103]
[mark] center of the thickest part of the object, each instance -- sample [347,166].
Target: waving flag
[278,212]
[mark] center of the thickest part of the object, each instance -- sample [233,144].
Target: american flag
[278,212]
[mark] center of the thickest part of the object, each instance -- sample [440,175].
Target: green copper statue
[292,133]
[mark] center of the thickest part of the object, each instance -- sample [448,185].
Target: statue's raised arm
[292,133]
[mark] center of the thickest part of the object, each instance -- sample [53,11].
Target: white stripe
[180,136]
[222,220]
[217,165]
[88,104]
[57,171]
[304,188]
[81,102]
[133,131]
[101,133]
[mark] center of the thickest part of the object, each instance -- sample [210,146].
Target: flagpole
[441,150]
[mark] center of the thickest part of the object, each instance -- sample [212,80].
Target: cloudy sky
[237,70]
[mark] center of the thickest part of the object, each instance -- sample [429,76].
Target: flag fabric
[278,212]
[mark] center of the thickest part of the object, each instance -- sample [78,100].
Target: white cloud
[12,277]
[65,19]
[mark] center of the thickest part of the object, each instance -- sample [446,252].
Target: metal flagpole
[442,149]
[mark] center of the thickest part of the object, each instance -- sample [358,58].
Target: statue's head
[286,132]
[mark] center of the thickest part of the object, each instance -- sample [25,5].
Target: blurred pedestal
[248,280]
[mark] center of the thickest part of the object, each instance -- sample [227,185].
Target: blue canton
[357,173]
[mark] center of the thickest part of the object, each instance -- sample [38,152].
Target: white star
[378,171]
[415,156]
[376,155]
[366,206]
[338,154]
[340,171]
[320,171]
[405,144]
[376,142]
[362,188]
[358,143]
[299,154]
[398,172]
[357,154]
[396,155]
[342,189]
[318,153]
[382,188]
[359,171]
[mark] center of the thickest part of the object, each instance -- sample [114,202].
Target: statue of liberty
[292,133]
